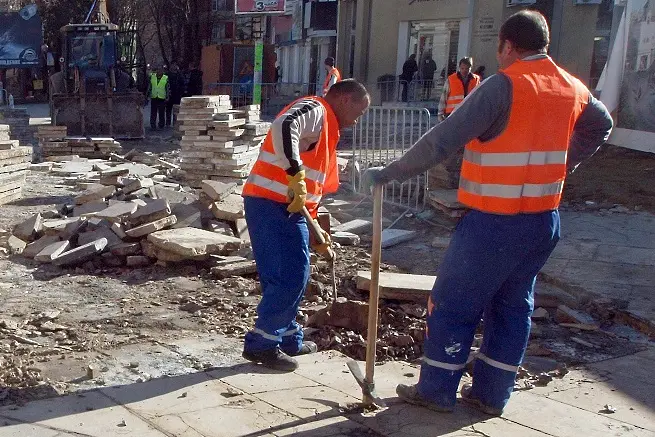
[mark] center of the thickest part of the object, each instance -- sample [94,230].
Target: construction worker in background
[524,130]
[456,88]
[296,166]
[159,93]
[333,75]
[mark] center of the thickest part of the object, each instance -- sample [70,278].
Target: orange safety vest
[523,169]
[457,93]
[333,72]
[268,178]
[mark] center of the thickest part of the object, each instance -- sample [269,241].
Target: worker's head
[329,63]
[465,65]
[174,67]
[349,99]
[523,34]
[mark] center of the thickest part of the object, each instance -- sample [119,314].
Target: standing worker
[296,166]
[159,93]
[410,67]
[428,68]
[333,75]
[176,85]
[533,124]
[456,88]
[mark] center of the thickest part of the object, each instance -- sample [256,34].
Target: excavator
[91,95]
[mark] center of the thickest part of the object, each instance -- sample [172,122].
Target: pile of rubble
[218,143]
[133,215]
[14,166]
[55,142]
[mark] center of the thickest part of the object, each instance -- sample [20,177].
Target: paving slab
[88,237]
[230,208]
[193,242]
[391,237]
[216,190]
[28,229]
[12,428]
[257,379]
[50,253]
[118,211]
[37,246]
[149,228]
[399,286]
[153,211]
[354,226]
[81,254]
[307,402]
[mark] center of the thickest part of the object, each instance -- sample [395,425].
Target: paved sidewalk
[246,400]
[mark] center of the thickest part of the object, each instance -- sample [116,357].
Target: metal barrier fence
[384,134]
[275,96]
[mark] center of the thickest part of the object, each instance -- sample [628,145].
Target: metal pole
[259,60]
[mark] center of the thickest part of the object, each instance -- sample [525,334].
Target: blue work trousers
[280,243]
[489,271]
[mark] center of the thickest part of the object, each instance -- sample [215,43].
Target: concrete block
[16,245]
[138,184]
[391,237]
[174,196]
[188,216]
[119,230]
[89,208]
[118,211]
[354,226]
[399,286]
[151,212]
[138,261]
[190,242]
[126,249]
[88,237]
[230,208]
[164,255]
[29,229]
[56,226]
[235,269]
[149,228]
[81,254]
[34,248]
[345,238]
[73,229]
[99,193]
[51,252]
[218,191]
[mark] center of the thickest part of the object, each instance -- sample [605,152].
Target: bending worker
[458,85]
[333,75]
[534,124]
[296,166]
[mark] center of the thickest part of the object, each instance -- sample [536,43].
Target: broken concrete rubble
[190,242]
[37,246]
[230,208]
[29,229]
[149,228]
[50,253]
[216,190]
[81,254]
[151,212]
[16,245]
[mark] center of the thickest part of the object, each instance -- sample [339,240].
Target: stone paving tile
[499,427]
[573,249]
[332,427]
[627,255]
[257,379]
[243,416]
[10,428]
[636,230]
[558,419]
[308,402]
[91,414]
[631,367]
[177,395]
[582,271]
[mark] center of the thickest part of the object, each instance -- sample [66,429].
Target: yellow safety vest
[158,87]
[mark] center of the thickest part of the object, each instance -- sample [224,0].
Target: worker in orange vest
[296,166]
[333,75]
[523,130]
[458,85]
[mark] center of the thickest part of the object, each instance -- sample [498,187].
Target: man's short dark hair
[329,61]
[349,86]
[527,30]
[466,61]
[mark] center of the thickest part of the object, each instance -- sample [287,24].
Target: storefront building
[376,37]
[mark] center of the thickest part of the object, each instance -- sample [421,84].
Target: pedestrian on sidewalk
[455,89]
[296,166]
[410,67]
[523,130]
[159,93]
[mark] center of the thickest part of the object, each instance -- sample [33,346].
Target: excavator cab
[91,94]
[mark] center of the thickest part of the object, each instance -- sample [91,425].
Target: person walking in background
[194,81]
[159,93]
[176,84]
[333,75]
[456,88]
[428,68]
[410,67]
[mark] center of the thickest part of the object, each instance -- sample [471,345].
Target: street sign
[259,6]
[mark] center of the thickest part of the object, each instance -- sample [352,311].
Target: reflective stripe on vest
[158,87]
[333,72]
[268,178]
[456,91]
[524,168]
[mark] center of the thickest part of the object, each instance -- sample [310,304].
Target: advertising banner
[21,36]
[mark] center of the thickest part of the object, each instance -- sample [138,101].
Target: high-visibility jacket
[268,178]
[334,72]
[457,92]
[158,86]
[523,169]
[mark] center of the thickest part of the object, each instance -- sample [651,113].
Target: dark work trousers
[170,119]
[157,108]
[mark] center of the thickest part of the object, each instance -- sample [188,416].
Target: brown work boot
[273,359]
[410,394]
[468,397]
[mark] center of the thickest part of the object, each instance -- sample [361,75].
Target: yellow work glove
[323,249]
[297,195]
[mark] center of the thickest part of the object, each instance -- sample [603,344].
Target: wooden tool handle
[315,229]
[376,255]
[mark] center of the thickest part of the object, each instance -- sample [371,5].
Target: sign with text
[21,36]
[259,6]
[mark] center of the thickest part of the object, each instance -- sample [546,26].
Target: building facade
[377,36]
